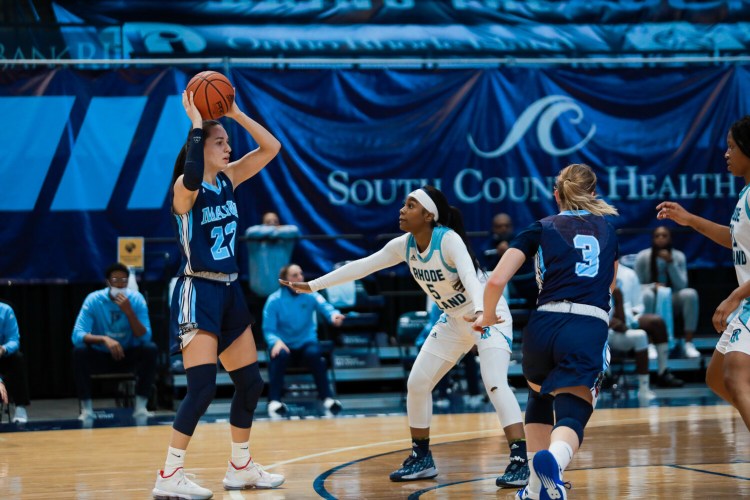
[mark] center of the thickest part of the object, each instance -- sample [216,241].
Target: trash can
[269,248]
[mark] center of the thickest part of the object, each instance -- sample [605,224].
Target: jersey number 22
[219,250]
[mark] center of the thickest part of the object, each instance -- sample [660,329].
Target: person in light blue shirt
[112,334]
[290,331]
[12,364]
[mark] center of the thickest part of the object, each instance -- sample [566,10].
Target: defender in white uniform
[440,260]
[728,373]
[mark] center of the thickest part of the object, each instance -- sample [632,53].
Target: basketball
[213,94]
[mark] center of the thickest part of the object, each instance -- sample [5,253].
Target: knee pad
[248,386]
[573,412]
[539,409]
[419,381]
[201,383]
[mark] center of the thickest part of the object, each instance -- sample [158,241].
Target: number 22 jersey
[208,231]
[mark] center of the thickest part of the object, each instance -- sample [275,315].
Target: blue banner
[88,155]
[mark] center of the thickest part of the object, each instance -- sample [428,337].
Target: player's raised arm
[186,185]
[254,161]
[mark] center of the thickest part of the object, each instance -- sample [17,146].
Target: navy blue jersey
[208,231]
[575,255]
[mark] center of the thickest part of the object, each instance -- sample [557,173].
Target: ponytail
[575,186]
[451,217]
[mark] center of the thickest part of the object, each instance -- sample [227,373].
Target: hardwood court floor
[673,452]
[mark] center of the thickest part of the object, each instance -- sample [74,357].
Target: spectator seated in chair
[523,286]
[290,330]
[623,339]
[112,334]
[652,324]
[663,266]
[12,364]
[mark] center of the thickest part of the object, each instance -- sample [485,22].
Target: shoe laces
[185,478]
[516,465]
[258,468]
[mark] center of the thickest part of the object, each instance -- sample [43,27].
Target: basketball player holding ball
[209,317]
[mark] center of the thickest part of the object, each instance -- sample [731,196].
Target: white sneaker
[87,415]
[251,475]
[646,395]
[332,405]
[179,485]
[142,413]
[691,351]
[277,409]
[652,354]
[20,416]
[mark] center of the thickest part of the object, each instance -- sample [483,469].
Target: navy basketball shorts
[212,306]
[565,350]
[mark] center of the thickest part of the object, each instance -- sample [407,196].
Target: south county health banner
[88,155]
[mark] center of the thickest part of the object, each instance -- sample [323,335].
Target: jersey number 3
[590,249]
[219,250]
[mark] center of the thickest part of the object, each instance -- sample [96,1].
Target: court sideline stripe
[733,476]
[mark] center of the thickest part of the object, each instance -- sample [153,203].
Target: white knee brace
[493,364]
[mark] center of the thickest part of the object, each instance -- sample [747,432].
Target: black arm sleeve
[193,174]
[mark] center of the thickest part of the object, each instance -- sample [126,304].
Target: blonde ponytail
[575,186]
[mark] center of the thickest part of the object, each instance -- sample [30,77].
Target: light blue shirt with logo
[100,315]
[288,316]
[8,329]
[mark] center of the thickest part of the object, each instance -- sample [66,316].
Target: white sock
[240,454]
[643,383]
[175,460]
[87,405]
[662,356]
[140,403]
[563,454]
[535,485]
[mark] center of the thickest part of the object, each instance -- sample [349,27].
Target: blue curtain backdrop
[88,155]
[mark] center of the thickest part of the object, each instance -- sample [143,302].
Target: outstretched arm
[390,255]
[674,211]
[254,161]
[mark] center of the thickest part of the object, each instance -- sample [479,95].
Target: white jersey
[740,229]
[444,270]
[436,273]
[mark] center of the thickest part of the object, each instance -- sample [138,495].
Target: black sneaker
[516,474]
[415,467]
[667,379]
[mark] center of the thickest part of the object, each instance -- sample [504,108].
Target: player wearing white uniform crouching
[441,261]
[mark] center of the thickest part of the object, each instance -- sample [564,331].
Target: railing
[427,63]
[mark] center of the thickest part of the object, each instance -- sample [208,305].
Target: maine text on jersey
[219,212]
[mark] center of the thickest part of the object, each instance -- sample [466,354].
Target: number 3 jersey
[574,253]
[207,232]
[444,270]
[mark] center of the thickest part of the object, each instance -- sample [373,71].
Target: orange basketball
[213,94]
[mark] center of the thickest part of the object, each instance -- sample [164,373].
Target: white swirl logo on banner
[548,109]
